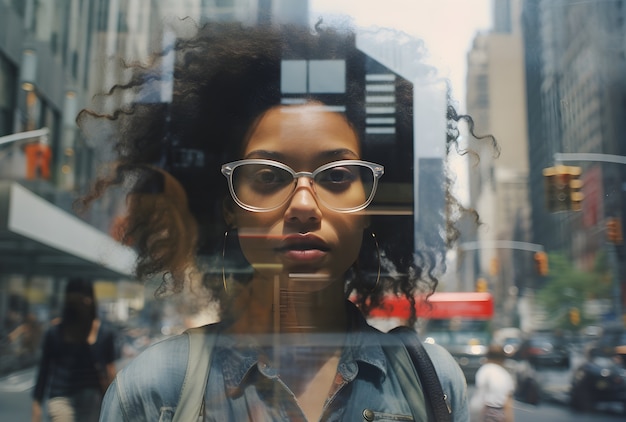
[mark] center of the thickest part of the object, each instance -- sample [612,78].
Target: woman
[297,239]
[77,362]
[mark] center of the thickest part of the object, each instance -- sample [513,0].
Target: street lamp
[28,70]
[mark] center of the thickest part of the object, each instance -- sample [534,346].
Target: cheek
[255,222]
[253,229]
[350,236]
[354,248]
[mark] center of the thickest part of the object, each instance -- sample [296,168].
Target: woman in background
[77,362]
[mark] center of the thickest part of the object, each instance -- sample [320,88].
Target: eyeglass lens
[265,186]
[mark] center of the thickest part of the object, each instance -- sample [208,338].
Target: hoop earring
[378,259]
[224,262]
[237,261]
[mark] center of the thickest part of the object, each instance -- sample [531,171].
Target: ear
[229,214]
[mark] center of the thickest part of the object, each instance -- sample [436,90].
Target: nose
[303,206]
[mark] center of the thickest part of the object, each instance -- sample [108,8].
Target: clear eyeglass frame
[229,168]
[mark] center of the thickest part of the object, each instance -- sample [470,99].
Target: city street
[15,400]
[554,412]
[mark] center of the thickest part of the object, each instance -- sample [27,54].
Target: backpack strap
[426,371]
[191,400]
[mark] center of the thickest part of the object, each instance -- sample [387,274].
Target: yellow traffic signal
[575,185]
[541,262]
[481,285]
[614,231]
[562,188]
[494,266]
[574,316]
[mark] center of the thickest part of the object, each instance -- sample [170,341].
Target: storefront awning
[39,238]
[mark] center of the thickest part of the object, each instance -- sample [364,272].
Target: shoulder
[445,364]
[152,381]
[158,363]
[451,378]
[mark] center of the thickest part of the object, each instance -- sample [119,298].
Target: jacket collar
[241,357]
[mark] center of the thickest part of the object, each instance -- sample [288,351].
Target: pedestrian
[492,400]
[274,222]
[77,361]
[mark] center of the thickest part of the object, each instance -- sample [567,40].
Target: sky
[446,26]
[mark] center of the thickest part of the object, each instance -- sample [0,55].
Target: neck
[281,305]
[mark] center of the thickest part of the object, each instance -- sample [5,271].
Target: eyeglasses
[264,185]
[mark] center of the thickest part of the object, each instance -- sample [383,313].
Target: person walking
[492,400]
[77,361]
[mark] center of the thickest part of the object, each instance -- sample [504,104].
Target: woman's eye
[266,176]
[337,175]
[270,177]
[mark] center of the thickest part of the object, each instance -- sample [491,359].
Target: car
[599,379]
[602,376]
[543,349]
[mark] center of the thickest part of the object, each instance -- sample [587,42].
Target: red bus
[459,321]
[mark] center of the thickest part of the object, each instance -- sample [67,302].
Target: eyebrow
[275,155]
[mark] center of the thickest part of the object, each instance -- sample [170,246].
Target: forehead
[302,129]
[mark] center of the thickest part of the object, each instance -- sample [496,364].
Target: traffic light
[541,262]
[481,285]
[574,316]
[38,159]
[614,231]
[575,185]
[494,266]
[562,188]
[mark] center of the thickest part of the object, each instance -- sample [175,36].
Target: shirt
[244,386]
[494,385]
[67,368]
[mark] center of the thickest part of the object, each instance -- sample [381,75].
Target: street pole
[615,281]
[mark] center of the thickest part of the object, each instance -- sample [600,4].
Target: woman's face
[301,237]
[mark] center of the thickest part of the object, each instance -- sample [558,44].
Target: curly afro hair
[224,77]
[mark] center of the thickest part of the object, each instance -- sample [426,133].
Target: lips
[303,247]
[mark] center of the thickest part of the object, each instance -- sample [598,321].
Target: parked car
[602,377]
[545,349]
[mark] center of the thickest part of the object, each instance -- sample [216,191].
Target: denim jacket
[243,386]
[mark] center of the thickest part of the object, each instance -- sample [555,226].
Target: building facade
[496,100]
[575,65]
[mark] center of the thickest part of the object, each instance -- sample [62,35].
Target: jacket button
[368,415]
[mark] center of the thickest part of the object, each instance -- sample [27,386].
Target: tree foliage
[567,288]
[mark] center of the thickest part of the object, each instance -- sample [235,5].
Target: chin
[302,281]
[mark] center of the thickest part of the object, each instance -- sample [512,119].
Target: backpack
[408,361]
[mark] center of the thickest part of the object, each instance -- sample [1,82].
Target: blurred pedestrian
[493,399]
[27,336]
[77,362]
